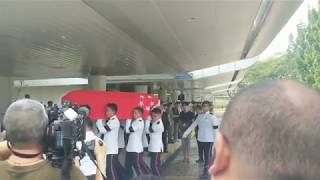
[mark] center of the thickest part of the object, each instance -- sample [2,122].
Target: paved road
[188,171]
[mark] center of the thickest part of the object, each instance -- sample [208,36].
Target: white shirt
[87,167]
[121,142]
[110,137]
[145,132]
[156,144]
[206,123]
[135,137]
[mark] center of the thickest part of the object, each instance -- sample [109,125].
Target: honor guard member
[110,130]
[207,124]
[134,148]
[146,135]
[121,141]
[155,145]
[145,144]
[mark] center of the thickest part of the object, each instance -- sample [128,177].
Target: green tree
[280,67]
[305,51]
[302,61]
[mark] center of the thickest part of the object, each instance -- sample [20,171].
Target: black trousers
[165,140]
[144,166]
[207,148]
[114,169]
[133,163]
[200,151]
[155,163]
[92,177]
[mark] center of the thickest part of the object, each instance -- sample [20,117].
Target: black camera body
[63,133]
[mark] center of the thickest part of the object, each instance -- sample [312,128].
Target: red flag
[126,101]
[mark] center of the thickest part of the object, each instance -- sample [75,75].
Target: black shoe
[205,174]
[199,161]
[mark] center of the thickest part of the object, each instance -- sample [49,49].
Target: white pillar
[6,90]
[174,96]
[98,83]
[141,88]
[163,94]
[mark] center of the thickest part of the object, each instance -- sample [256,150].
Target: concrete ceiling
[74,38]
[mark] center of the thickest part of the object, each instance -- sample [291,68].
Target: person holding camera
[26,123]
[86,164]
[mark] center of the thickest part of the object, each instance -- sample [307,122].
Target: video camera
[66,128]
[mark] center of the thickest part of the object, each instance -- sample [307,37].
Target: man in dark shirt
[198,110]
[186,119]
[25,122]
[166,124]
[175,116]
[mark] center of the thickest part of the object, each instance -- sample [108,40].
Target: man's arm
[136,126]
[100,151]
[215,123]
[100,127]
[190,128]
[112,124]
[157,127]
[128,124]
[147,126]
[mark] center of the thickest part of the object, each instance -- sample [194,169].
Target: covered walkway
[180,170]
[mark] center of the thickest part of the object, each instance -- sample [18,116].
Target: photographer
[87,166]
[26,122]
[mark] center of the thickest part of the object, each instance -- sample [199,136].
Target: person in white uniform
[110,130]
[207,124]
[156,146]
[121,141]
[134,147]
[145,141]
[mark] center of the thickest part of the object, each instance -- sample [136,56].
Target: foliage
[276,68]
[306,51]
[302,61]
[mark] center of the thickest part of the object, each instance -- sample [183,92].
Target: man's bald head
[274,127]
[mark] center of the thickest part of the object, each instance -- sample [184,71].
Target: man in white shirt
[145,135]
[156,146]
[134,148]
[145,144]
[207,124]
[110,130]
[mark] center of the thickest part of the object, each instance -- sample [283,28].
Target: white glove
[184,135]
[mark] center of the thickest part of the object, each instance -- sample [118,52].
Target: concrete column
[6,92]
[97,83]
[163,94]
[174,96]
[141,88]
[188,95]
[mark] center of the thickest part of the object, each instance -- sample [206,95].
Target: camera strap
[87,150]
[27,156]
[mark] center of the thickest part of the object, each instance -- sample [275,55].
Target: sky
[281,41]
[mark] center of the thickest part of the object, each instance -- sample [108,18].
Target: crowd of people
[269,131]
